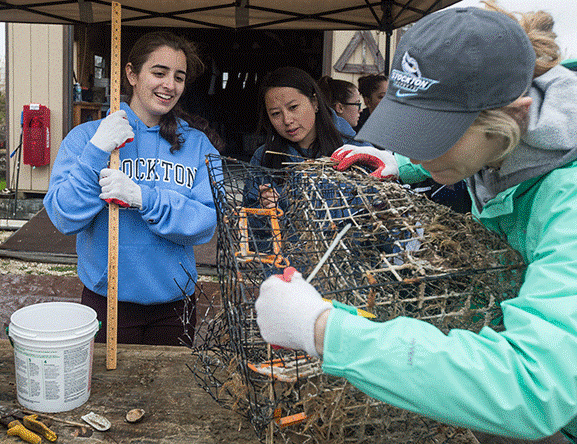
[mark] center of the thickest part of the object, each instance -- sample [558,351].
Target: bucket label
[53,380]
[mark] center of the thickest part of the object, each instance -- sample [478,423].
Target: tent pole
[388,53]
[385,25]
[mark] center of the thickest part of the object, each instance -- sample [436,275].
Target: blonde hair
[499,123]
[506,122]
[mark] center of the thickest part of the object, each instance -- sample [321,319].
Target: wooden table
[154,378]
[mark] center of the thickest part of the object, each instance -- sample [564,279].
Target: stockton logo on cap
[410,81]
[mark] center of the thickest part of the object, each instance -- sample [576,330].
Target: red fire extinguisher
[36,135]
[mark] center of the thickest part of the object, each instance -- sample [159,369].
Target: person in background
[343,97]
[162,187]
[298,124]
[373,88]
[477,95]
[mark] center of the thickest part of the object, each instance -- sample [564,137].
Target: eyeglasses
[357,104]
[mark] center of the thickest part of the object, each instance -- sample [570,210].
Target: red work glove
[287,274]
[287,309]
[382,160]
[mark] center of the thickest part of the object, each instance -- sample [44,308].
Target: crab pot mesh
[402,255]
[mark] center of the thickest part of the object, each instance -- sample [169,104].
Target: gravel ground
[5,234]
[13,266]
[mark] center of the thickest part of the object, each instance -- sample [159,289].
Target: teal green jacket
[521,382]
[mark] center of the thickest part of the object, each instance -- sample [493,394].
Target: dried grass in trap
[403,256]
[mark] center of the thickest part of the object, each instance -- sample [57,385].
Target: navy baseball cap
[447,68]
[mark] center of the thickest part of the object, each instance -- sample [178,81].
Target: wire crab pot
[400,255]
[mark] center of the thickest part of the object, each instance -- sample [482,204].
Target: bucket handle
[97,330]
[9,338]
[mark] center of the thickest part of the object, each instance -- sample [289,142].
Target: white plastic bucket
[53,348]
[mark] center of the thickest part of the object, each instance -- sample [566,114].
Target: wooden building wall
[360,60]
[35,69]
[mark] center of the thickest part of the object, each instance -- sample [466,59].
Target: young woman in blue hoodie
[162,187]
[474,95]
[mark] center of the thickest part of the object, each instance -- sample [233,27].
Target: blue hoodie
[155,242]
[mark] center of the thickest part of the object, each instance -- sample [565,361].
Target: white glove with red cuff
[113,132]
[287,309]
[118,188]
[383,161]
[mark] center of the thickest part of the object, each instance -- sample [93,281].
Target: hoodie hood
[138,124]
[550,140]
[134,120]
[343,126]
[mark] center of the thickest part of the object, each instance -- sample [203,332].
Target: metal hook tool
[329,251]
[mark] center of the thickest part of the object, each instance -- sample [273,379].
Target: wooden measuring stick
[112,292]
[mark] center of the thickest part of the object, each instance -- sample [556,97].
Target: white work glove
[287,309]
[118,188]
[113,132]
[383,161]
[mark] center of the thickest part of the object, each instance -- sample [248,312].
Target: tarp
[384,15]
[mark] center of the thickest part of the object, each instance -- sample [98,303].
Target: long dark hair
[328,137]
[139,54]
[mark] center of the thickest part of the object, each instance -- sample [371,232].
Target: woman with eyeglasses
[343,97]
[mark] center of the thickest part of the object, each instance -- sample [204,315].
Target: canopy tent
[384,15]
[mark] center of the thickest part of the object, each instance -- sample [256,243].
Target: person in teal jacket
[474,94]
[162,186]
